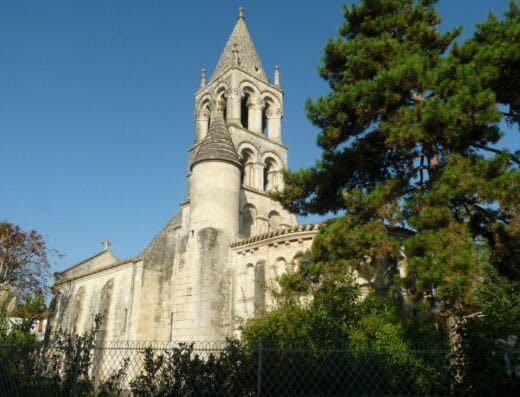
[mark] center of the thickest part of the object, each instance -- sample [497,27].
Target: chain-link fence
[234,369]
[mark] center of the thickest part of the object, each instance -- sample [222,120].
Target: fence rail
[233,369]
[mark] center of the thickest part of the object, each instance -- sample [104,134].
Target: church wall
[202,301]
[157,281]
[105,293]
[257,265]
[264,206]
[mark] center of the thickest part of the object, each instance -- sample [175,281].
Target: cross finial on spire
[240,12]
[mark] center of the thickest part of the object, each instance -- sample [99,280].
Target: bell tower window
[264,121]
[244,114]
[222,103]
[274,220]
[248,171]
[271,175]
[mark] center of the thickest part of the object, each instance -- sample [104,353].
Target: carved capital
[203,115]
[273,113]
[234,93]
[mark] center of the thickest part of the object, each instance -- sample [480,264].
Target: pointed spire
[276,80]
[240,52]
[202,78]
[217,145]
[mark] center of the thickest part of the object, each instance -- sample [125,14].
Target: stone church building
[217,259]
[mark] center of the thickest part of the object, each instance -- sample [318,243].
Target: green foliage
[337,315]
[183,372]
[61,366]
[499,301]
[364,337]
[28,312]
[494,51]
[408,132]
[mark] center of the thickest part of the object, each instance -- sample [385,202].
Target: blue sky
[96,105]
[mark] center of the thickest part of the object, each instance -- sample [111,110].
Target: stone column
[233,106]
[258,176]
[201,125]
[276,178]
[274,125]
[255,115]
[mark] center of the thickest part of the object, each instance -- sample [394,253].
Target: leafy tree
[493,50]
[24,263]
[28,312]
[498,300]
[405,132]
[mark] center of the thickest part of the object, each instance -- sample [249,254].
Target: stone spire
[240,45]
[217,145]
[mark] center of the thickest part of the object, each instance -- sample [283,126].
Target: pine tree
[409,133]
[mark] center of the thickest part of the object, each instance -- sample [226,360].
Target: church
[216,261]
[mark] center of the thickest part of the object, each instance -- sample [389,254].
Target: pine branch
[513,158]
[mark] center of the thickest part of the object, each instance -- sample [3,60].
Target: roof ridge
[86,260]
[306,227]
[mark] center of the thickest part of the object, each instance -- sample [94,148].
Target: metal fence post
[259,371]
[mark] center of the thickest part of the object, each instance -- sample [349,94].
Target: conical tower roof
[217,145]
[240,52]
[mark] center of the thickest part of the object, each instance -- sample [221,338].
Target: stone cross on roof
[240,52]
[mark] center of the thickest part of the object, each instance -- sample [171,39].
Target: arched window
[264,120]
[297,262]
[274,220]
[266,111]
[271,175]
[271,118]
[203,120]
[244,114]
[222,102]
[247,225]
[251,109]
[248,164]
[277,268]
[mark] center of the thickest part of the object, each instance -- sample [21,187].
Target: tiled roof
[217,145]
[314,227]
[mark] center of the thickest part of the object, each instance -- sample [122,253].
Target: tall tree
[408,133]
[24,264]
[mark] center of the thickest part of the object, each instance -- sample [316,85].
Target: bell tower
[252,108]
